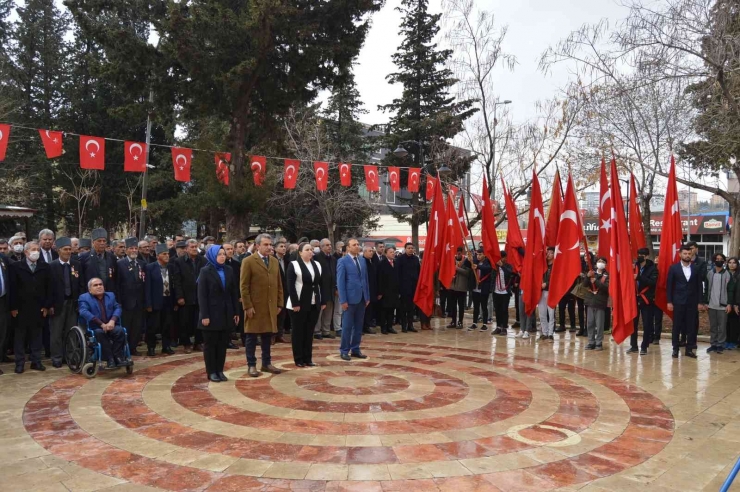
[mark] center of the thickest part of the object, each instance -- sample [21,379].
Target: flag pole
[467,220]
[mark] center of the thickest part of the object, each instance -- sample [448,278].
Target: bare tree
[84,191]
[130,194]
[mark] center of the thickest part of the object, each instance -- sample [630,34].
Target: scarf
[211,255]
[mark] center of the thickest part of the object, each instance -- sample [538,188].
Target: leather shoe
[280,339]
[198,347]
[392,331]
[38,366]
[214,378]
[318,336]
[675,354]
[346,357]
[300,364]
[412,329]
[271,369]
[690,353]
[368,331]
[359,355]
[19,369]
[310,364]
[232,346]
[56,365]
[168,351]
[150,352]
[330,336]
[222,376]
[253,372]
[188,349]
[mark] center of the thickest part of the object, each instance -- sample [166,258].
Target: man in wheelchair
[102,313]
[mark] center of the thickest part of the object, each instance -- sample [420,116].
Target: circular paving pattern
[409,414]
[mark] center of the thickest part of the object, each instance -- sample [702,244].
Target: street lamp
[400,152]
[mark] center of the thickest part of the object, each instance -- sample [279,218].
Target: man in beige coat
[262,296]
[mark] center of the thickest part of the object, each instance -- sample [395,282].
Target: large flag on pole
[637,231]
[453,239]
[671,236]
[567,264]
[621,281]
[514,242]
[605,214]
[535,264]
[489,238]
[553,215]
[424,295]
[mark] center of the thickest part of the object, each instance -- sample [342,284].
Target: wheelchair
[84,353]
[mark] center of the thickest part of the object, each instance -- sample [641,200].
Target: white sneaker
[520,334]
[525,334]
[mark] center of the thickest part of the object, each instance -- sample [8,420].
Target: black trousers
[567,302]
[214,349]
[111,343]
[684,321]
[386,318]
[501,305]
[516,303]
[456,305]
[187,321]
[4,325]
[303,323]
[480,303]
[657,322]
[581,314]
[369,319]
[407,311]
[28,328]
[645,311]
[443,301]
[159,322]
[133,321]
[733,327]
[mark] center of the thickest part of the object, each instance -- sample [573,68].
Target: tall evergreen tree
[425,112]
[342,116]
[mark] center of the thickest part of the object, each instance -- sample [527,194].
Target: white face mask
[316,250]
[601,265]
[33,256]
[18,248]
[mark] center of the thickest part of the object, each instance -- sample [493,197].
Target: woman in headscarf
[219,310]
[304,303]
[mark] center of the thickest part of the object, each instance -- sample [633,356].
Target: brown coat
[261,289]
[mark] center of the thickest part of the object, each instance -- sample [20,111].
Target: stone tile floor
[447,410]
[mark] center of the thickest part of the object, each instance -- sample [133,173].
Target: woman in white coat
[304,303]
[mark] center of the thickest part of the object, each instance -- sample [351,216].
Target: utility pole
[145,180]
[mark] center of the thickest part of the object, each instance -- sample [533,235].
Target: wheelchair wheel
[75,349]
[90,369]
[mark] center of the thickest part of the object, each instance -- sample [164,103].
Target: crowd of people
[210,297]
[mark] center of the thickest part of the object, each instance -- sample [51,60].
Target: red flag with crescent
[52,143]
[92,153]
[605,213]
[489,238]
[637,230]
[4,137]
[371,178]
[535,263]
[181,161]
[322,172]
[567,264]
[223,159]
[291,173]
[394,178]
[258,164]
[414,174]
[671,237]
[345,173]
[431,185]
[134,160]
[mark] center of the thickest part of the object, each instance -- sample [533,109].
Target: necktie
[165,281]
[267,261]
[67,282]
[33,267]
[357,264]
[391,263]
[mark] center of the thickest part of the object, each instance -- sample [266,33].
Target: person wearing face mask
[130,279]
[596,299]
[4,304]
[717,304]
[684,292]
[16,249]
[733,299]
[30,301]
[646,277]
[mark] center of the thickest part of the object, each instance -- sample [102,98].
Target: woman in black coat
[388,290]
[304,303]
[219,310]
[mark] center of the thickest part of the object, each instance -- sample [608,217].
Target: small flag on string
[52,143]
[181,161]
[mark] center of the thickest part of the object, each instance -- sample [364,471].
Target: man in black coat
[372,278]
[701,264]
[328,264]
[388,290]
[409,268]
[30,301]
[684,293]
[646,276]
[187,269]
[66,287]
[283,321]
[99,263]
[130,278]
[158,301]
[4,305]
[236,266]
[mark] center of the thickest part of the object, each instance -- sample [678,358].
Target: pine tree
[342,116]
[425,112]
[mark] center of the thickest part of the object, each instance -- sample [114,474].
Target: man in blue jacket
[354,296]
[102,314]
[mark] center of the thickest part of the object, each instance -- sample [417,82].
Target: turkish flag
[637,231]
[290,175]
[514,241]
[181,162]
[92,153]
[371,178]
[535,263]
[134,160]
[321,169]
[553,215]
[223,159]
[489,238]
[258,164]
[622,281]
[605,214]
[452,240]
[4,138]
[425,292]
[431,185]
[345,174]
[461,215]
[567,264]
[671,236]
[413,184]
[394,178]
[455,190]
[52,143]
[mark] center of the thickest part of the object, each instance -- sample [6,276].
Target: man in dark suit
[158,301]
[371,314]
[409,268]
[684,294]
[46,240]
[354,296]
[236,266]
[4,304]
[388,290]
[99,263]
[283,320]
[187,269]
[30,300]
[328,264]
[66,287]
[130,277]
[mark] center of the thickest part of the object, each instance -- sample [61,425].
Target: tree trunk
[734,247]
[331,234]
[645,209]
[237,225]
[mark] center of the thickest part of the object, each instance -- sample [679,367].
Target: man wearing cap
[66,287]
[84,247]
[99,263]
[158,301]
[646,278]
[178,251]
[130,276]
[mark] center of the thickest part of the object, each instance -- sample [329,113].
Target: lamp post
[495,123]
